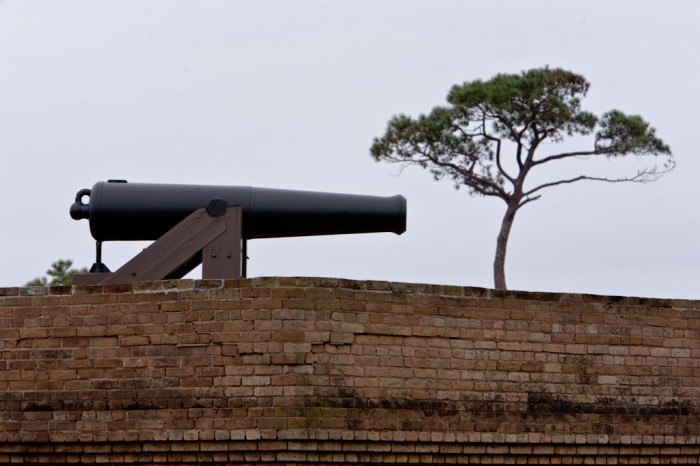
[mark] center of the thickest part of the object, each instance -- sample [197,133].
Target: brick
[339,338]
[194,339]
[137,340]
[104,341]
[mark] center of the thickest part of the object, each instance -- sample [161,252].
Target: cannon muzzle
[121,211]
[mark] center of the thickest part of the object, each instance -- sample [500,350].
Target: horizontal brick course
[300,370]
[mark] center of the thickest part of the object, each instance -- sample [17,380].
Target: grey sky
[290,94]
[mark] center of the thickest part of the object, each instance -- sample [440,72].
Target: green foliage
[60,272]
[540,102]
[628,134]
[467,140]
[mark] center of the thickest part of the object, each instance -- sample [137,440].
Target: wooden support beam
[222,257]
[214,241]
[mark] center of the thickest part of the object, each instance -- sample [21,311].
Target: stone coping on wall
[160,286]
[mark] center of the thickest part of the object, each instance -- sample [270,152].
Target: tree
[61,273]
[493,133]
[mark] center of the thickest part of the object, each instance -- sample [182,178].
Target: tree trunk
[499,263]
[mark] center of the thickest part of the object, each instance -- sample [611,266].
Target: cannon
[206,224]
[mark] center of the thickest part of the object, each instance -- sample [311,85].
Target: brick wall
[313,370]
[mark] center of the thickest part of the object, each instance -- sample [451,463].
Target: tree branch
[484,186]
[644,176]
[565,155]
[485,134]
[527,200]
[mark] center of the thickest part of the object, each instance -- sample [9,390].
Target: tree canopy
[492,135]
[60,272]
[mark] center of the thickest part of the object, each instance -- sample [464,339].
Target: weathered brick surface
[317,370]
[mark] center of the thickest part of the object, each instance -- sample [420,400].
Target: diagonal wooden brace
[214,241]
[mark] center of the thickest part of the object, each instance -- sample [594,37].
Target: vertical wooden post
[222,258]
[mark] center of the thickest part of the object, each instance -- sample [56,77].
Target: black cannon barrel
[121,211]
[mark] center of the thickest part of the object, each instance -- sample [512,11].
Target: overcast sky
[290,95]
